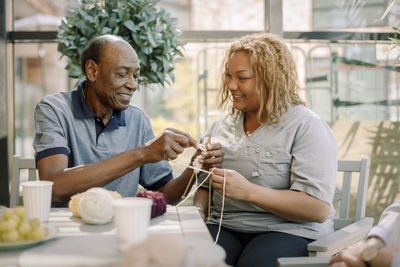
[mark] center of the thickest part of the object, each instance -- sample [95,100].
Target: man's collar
[119,116]
[81,108]
[83,111]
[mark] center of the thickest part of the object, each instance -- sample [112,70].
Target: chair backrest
[18,165]
[348,167]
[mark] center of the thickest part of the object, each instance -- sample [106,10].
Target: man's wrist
[372,250]
[141,155]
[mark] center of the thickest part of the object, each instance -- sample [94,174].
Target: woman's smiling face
[241,83]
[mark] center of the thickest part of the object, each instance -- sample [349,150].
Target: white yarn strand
[222,209]
[193,191]
[191,167]
[197,187]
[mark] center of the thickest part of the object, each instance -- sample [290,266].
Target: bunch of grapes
[159,206]
[14,227]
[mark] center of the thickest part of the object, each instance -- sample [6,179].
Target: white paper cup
[37,199]
[131,218]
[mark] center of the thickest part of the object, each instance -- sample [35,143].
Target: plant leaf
[106,30]
[130,25]
[387,10]
[151,38]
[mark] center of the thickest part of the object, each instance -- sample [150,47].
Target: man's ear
[91,69]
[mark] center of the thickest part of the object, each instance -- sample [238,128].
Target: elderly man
[380,249]
[92,137]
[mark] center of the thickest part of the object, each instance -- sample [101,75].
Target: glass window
[297,15]
[227,15]
[196,86]
[351,84]
[38,72]
[40,15]
[191,14]
[349,81]
[217,15]
[314,15]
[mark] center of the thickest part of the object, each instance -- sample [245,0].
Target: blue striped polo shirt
[65,124]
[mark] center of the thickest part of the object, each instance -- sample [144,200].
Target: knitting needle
[191,193]
[208,141]
[188,185]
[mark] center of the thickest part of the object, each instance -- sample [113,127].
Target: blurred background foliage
[151,31]
[179,102]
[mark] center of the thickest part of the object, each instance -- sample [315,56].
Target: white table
[95,245]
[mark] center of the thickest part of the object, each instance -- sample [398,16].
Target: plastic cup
[37,199]
[131,218]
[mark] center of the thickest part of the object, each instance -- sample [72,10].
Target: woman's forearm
[289,204]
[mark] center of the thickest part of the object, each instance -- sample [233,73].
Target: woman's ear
[91,69]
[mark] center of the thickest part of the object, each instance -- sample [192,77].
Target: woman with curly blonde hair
[279,172]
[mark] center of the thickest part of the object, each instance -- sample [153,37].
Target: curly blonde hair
[275,73]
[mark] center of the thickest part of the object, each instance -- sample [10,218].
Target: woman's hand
[212,158]
[236,186]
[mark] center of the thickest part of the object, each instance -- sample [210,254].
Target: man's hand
[168,145]
[352,256]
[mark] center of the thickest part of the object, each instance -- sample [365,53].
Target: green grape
[7,214]
[14,227]
[27,237]
[19,211]
[35,223]
[10,225]
[13,236]
[14,217]
[24,228]
[39,233]
[4,237]
[3,226]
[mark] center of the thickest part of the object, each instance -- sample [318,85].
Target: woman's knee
[265,249]
[228,241]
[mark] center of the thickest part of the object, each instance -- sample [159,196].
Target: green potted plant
[151,32]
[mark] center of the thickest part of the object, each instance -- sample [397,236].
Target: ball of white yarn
[95,206]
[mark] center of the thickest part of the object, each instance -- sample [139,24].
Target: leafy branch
[151,32]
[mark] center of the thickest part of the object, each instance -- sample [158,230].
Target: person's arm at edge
[387,225]
[379,235]
[353,254]
[396,260]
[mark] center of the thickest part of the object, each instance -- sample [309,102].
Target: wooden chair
[347,230]
[18,165]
